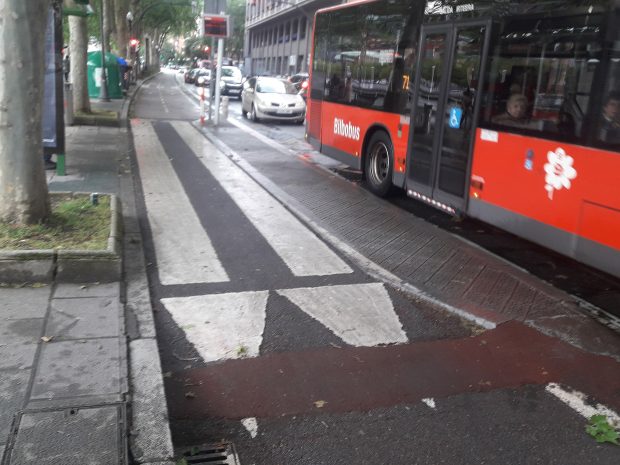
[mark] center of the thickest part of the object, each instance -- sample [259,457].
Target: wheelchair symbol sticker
[456,114]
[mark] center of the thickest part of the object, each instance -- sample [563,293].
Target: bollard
[224,108]
[68,104]
[202,106]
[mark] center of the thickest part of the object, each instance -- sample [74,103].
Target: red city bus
[508,112]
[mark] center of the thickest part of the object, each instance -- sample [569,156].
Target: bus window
[607,131]
[551,65]
[387,64]
[345,50]
[319,59]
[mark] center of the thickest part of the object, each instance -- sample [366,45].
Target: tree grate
[222,453]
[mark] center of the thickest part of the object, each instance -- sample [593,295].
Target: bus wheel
[378,166]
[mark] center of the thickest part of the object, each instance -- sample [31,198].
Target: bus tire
[244,113]
[378,164]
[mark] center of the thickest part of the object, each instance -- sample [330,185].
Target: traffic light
[206,49]
[134,43]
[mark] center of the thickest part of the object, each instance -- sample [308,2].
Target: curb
[150,439]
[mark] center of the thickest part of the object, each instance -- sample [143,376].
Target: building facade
[278,35]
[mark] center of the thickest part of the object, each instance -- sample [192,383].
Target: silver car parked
[270,98]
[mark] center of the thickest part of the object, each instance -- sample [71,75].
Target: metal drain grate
[222,453]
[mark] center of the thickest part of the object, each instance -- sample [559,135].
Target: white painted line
[577,401]
[221,326]
[429,401]
[360,314]
[302,251]
[251,425]
[184,251]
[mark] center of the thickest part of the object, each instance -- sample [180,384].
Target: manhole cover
[216,454]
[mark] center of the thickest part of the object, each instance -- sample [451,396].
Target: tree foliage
[234,45]
[161,18]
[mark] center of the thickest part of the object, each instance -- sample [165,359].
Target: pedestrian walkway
[431,264]
[70,366]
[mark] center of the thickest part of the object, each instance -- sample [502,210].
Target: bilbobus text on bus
[504,111]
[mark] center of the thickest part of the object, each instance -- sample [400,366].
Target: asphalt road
[273,341]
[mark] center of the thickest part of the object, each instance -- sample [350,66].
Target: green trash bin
[113,75]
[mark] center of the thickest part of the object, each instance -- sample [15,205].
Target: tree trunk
[23,188]
[78,47]
[121,34]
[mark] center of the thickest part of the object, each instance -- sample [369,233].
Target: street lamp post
[103,91]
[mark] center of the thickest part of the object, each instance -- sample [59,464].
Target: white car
[270,98]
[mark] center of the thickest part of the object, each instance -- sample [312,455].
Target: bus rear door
[443,120]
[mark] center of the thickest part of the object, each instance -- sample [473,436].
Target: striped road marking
[302,251]
[230,326]
[578,402]
[221,326]
[360,314]
[184,251]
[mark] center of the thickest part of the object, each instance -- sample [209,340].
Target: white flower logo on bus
[559,171]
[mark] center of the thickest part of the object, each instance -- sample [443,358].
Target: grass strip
[74,224]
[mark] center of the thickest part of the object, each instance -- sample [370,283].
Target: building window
[302,29]
[280,33]
[287,32]
[294,31]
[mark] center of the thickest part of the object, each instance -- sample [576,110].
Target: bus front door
[443,120]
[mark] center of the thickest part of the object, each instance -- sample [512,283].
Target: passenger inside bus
[610,119]
[516,112]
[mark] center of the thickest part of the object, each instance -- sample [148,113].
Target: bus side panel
[313,120]
[344,129]
[569,187]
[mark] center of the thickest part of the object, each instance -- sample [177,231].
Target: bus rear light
[477,182]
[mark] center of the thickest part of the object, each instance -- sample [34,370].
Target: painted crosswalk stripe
[359,314]
[184,251]
[302,251]
[221,326]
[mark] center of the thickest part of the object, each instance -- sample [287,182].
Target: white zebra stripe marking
[221,326]
[251,425]
[360,314]
[302,251]
[184,251]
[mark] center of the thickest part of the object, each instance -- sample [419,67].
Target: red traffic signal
[134,42]
[206,49]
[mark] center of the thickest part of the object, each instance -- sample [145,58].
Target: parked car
[202,77]
[298,79]
[231,82]
[270,98]
[190,75]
